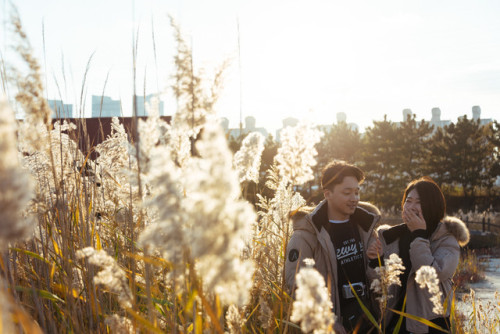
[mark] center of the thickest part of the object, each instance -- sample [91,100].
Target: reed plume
[297,152]
[312,306]
[426,276]
[247,159]
[15,182]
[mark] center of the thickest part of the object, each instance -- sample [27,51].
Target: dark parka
[441,251]
[311,240]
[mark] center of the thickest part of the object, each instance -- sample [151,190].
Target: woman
[426,238]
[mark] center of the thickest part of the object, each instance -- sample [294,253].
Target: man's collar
[321,215]
[360,217]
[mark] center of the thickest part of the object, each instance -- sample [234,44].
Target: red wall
[92,131]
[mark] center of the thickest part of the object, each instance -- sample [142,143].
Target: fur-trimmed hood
[449,224]
[458,229]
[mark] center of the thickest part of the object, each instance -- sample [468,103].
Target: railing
[485,225]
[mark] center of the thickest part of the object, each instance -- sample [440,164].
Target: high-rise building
[104,106]
[60,110]
[249,127]
[476,115]
[141,104]
[436,120]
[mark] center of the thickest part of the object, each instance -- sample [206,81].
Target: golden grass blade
[30,254]
[211,314]
[57,250]
[41,293]
[253,311]
[27,323]
[400,320]
[420,319]
[143,321]
[365,310]
[64,289]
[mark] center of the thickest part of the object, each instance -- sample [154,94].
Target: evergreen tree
[234,143]
[340,142]
[437,162]
[466,155]
[493,135]
[378,152]
[412,149]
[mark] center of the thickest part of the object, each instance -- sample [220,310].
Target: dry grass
[470,270]
[108,204]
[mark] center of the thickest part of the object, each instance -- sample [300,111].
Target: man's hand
[374,249]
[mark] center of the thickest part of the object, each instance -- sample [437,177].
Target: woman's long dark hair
[431,200]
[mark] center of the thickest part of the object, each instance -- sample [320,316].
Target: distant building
[341,118]
[141,104]
[249,127]
[407,114]
[104,106]
[60,110]
[287,122]
[436,119]
[437,122]
[476,115]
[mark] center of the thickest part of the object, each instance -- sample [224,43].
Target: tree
[393,155]
[493,135]
[340,142]
[377,154]
[465,155]
[437,161]
[412,149]
[234,143]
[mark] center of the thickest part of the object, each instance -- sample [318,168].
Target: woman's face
[412,203]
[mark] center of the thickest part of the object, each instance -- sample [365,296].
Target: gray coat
[441,251]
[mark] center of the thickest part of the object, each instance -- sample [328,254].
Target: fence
[485,225]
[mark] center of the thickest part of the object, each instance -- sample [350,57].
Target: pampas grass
[151,236]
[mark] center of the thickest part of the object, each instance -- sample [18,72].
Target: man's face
[343,199]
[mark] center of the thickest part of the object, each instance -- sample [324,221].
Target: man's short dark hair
[335,171]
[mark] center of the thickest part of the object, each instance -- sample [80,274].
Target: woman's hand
[414,220]
[374,249]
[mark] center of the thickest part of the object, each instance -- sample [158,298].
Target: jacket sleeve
[444,259]
[297,250]
[370,269]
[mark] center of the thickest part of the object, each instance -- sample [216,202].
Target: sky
[303,59]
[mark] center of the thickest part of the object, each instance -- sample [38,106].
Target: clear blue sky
[305,59]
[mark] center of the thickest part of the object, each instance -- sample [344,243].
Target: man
[337,234]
